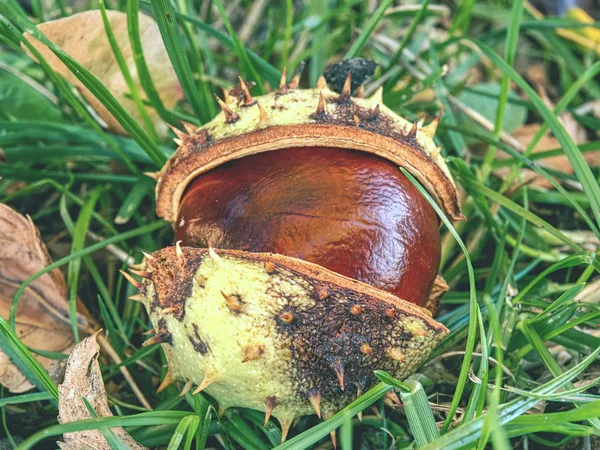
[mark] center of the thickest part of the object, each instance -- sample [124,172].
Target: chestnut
[300,246]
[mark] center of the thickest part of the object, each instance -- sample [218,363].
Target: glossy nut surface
[350,212]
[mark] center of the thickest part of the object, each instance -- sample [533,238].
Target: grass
[520,366]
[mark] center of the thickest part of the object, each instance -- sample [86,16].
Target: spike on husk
[230,116]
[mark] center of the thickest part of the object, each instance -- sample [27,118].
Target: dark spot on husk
[199,344]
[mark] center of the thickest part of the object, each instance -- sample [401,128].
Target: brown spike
[374,115]
[168,310]
[136,284]
[338,368]
[431,127]
[315,400]
[270,403]
[360,92]
[179,142]
[287,317]
[186,388]
[396,354]
[356,310]
[162,337]
[168,381]
[322,83]
[347,89]
[253,352]
[333,437]
[320,111]
[390,312]
[189,127]
[285,428]
[413,131]
[366,348]
[207,381]
[142,273]
[230,116]
[295,81]
[232,303]
[356,120]
[248,100]
[391,395]
[136,298]
[148,256]
[269,267]
[178,251]
[283,89]
[323,293]
[180,134]
[263,117]
[153,175]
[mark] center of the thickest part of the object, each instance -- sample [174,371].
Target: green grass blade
[419,414]
[368,29]
[239,49]
[164,12]
[580,166]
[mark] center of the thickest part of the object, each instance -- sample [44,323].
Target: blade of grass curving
[111,439]
[239,49]
[79,235]
[318,432]
[469,432]
[473,306]
[135,95]
[538,344]
[510,51]
[26,398]
[133,28]
[20,355]
[580,166]
[147,419]
[405,39]
[183,428]
[164,12]
[368,29]
[518,209]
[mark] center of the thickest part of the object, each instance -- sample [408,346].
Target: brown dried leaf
[548,142]
[84,38]
[84,379]
[42,316]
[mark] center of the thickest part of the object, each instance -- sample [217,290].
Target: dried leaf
[42,316]
[84,379]
[548,142]
[84,38]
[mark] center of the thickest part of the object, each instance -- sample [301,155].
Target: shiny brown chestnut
[351,212]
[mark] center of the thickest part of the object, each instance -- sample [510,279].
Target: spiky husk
[292,118]
[275,333]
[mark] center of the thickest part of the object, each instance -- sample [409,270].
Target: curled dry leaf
[84,379]
[84,38]
[42,316]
